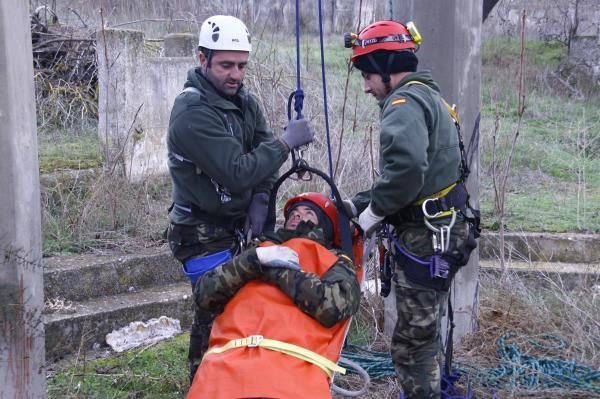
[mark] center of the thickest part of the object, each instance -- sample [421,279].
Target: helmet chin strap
[385,76]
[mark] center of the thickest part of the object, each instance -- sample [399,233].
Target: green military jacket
[221,151]
[329,299]
[419,150]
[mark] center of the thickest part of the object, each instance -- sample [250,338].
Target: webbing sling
[255,341]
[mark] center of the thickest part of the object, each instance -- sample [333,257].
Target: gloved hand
[369,221]
[298,132]
[257,213]
[350,208]
[278,256]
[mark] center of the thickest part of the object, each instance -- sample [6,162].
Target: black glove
[298,132]
[350,208]
[257,213]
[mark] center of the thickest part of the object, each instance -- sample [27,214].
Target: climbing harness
[439,212]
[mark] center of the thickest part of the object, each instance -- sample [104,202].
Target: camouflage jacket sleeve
[328,299]
[215,288]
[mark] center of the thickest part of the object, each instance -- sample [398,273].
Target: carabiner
[443,231]
[449,225]
[424,209]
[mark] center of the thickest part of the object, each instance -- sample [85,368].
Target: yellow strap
[451,109]
[443,192]
[296,351]
[439,194]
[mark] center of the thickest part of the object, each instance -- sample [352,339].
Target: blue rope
[298,94]
[325,90]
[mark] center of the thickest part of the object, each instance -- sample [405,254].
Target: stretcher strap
[296,351]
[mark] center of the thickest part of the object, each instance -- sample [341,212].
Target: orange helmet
[383,35]
[324,203]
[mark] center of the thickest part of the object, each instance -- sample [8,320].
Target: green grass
[69,151]
[159,371]
[545,205]
[554,182]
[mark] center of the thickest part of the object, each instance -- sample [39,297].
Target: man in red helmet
[419,191]
[283,309]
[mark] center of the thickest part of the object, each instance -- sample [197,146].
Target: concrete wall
[136,93]
[22,372]
[574,22]
[546,19]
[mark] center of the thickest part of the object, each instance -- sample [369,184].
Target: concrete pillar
[180,45]
[120,56]
[451,32]
[21,287]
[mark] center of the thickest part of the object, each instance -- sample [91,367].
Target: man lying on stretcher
[284,309]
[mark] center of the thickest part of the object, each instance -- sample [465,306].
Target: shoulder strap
[191,89]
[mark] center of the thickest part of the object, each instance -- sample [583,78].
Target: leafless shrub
[501,167]
[65,75]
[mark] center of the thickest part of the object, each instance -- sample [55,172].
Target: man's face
[301,213]
[373,84]
[226,71]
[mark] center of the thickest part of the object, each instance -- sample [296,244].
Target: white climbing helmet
[224,32]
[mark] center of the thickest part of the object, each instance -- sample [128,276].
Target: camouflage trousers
[417,340]
[187,242]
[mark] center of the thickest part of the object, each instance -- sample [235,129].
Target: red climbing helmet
[324,203]
[383,35]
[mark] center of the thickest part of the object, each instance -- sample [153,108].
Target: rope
[377,364]
[298,94]
[352,367]
[325,90]
[518,369]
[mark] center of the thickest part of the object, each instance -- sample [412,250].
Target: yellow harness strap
[451,108]
[443,192]
[255,341]
[439,194]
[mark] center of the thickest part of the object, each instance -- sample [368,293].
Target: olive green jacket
[329,299]
[419,149]
[221,151]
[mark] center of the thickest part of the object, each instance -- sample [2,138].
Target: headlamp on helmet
[383,35]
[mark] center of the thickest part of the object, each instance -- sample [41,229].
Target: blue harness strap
[196,267]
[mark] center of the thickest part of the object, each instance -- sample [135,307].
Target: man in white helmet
[223,158]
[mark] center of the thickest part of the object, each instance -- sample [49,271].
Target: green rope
[377,364]
[516,369]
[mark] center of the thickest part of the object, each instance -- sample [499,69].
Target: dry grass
[532,307]
[104,213]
